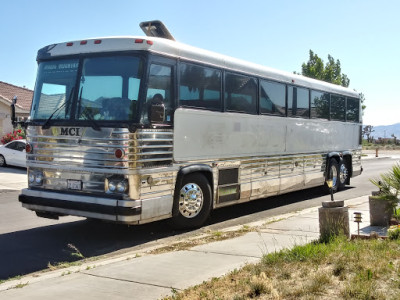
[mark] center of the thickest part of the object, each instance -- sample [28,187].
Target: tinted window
[298,102]
[12,145]
[272,98]
[54,89]
[240,93]
[319,105]
[200,87]
[353,110]
[19,146]
[338,108]
[109,88]
[160,89]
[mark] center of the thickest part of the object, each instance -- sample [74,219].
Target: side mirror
[157,113]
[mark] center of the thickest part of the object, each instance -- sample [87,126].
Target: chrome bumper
[124,211]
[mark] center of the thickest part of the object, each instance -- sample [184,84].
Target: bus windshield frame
[105,89]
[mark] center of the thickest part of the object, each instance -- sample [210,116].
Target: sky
[362,34]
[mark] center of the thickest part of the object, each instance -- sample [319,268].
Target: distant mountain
[386,131]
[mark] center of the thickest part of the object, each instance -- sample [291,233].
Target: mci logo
[73,131]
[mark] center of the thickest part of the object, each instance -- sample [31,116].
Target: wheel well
[346,158]
[205,170]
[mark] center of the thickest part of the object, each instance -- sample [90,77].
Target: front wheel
[192,204]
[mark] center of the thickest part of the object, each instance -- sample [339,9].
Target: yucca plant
[389,182]
[383,204]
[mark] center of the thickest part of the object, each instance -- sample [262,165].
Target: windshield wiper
[86,113]
[46,125]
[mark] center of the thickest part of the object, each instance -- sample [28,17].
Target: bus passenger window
[338,108]
[199,87]
[353,110]
[298,102]
[240,93]
[319,105]
[272,98]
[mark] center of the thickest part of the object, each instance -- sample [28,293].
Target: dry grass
[341,269]
[208,238]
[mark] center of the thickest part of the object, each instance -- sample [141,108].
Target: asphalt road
[29,243]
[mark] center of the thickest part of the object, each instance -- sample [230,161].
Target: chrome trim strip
[81,199]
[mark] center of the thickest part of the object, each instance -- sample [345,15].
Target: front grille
[90,158]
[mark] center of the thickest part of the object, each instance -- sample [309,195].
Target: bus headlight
[35,178]
[31,178]
[116,185]
[39,178]
[122,186]
[112,186]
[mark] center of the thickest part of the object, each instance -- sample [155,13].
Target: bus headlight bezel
[35,178]
[116,185]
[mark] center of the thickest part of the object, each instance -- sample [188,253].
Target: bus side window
[200,87]
[160,89]
[338,108]
[240,93]
[272,98]
[353,110]
[319,105]
[298,102]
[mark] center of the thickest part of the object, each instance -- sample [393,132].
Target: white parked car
[13,153]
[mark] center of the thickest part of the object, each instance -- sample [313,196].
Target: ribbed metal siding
[90,157]
[151,147]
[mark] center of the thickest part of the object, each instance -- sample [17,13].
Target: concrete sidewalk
[13,179]
[152,276]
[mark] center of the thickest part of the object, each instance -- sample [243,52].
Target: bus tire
[192,203]
[332,174]
[343,175]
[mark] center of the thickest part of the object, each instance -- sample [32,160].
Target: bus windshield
[93,88]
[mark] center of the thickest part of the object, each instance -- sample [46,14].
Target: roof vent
[156,29]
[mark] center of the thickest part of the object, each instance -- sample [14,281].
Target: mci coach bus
[138,129]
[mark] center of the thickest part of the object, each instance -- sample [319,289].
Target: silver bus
[138,129]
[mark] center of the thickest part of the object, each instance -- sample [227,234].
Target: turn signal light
[28,148]
[119,153]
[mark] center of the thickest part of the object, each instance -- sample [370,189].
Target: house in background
[7,93]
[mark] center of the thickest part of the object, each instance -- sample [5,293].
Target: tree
[368,130]
[331,72]
[362,99]
[394,138]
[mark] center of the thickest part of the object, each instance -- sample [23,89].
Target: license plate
[74,184]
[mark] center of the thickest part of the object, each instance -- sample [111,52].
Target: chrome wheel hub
[190,200]
[343,173]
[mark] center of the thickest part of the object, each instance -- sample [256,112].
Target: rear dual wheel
[338,173]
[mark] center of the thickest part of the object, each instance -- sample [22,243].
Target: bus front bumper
[59,204]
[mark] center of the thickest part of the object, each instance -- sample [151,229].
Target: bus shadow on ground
[12,170]
[36,249]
